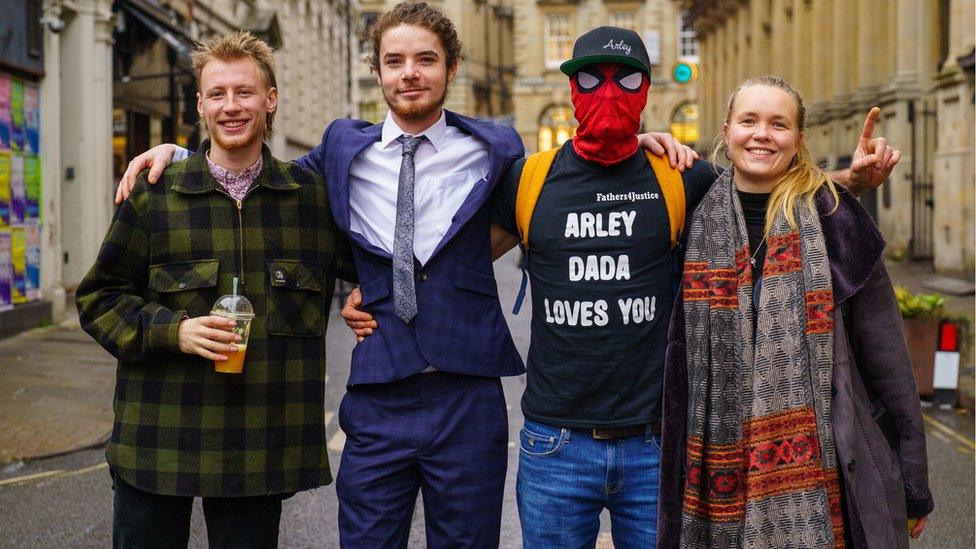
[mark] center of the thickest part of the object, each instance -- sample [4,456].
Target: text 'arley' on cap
[608,45]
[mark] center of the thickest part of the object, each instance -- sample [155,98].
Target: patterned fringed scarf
[761,463]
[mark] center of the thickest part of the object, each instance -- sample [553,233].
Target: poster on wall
[32,266]
[4,188]
[4,111]
[32,119]
[6,271]
[18,258]
[32,187]
[16,115]
[18,198]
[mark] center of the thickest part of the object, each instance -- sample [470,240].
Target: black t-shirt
[602,275]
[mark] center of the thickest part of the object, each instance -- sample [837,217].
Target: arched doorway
[556,126]
[684,123]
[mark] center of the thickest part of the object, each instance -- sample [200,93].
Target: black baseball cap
[608,45]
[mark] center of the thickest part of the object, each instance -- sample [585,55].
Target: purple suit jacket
[459,326]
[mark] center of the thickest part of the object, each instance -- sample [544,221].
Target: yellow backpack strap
[533,176]
[673,188]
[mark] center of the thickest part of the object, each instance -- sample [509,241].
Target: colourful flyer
[18,258]
[6,271]
[4,188]
[18,198]
[32,187]
[32,267]
[32,119]
[16,115]
[4,111]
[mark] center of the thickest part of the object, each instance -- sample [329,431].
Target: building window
[34,32]
[623,19]
[367,20]
[369,111]
[559,39]
[687,40]
[684,123]
[556,126]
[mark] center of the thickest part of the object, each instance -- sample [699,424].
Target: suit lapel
[479,194]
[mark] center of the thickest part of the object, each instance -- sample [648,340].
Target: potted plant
[921,314]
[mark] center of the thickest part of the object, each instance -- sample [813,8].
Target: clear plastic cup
[238,309]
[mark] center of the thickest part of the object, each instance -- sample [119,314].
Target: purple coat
[882,487]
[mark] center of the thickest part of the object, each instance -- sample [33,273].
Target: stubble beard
[416,110]
[217,139]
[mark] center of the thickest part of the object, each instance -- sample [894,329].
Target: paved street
[66,501]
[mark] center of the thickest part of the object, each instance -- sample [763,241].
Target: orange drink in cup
[238,309]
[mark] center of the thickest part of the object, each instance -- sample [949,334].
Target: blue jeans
[566,478]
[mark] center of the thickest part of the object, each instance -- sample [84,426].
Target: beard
[416,110]
[236,142]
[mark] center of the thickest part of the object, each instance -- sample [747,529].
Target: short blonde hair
[231,47]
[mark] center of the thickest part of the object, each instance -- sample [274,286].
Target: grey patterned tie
[404,292]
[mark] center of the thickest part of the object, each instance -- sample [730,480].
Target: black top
[602,275]
[754,212]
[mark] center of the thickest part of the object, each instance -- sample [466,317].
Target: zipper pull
[239,204]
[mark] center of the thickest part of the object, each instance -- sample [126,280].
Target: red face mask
[609,98]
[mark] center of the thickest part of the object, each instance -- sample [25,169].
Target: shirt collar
[436,133]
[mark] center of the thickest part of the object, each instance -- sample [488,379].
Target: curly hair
[239,45]
[419,14]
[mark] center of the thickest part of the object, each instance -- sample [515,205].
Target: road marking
[965,441]
[57,473]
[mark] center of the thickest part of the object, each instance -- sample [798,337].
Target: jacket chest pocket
[295,300]
[189,286]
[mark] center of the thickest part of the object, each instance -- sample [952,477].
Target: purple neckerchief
[236,185]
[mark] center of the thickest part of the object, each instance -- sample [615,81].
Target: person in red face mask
[601,267]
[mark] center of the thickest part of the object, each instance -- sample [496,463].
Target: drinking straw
[233,307]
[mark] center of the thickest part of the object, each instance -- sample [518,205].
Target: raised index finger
[868,131]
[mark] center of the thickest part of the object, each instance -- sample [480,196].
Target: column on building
[953,170]
[86,136]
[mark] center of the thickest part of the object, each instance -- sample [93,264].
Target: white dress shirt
[447,167]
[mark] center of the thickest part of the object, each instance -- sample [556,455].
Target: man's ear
[199,105]
[452,71]
[272,99]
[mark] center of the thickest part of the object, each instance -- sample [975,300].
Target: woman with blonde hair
[786,358]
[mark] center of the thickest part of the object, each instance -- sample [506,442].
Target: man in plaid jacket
[243,441]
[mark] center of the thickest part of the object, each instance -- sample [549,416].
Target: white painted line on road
[57,473]
[966,441]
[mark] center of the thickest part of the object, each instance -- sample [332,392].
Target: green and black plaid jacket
[173,249]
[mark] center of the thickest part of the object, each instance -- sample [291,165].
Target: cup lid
[236,305]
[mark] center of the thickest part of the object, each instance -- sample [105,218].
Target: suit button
[182,285]
[422,277]
[850,465]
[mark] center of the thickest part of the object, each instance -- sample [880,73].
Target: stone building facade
[545,31]
[483,86]
[114,79]
[912,58]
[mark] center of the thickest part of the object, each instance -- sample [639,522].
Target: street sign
[684,72]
